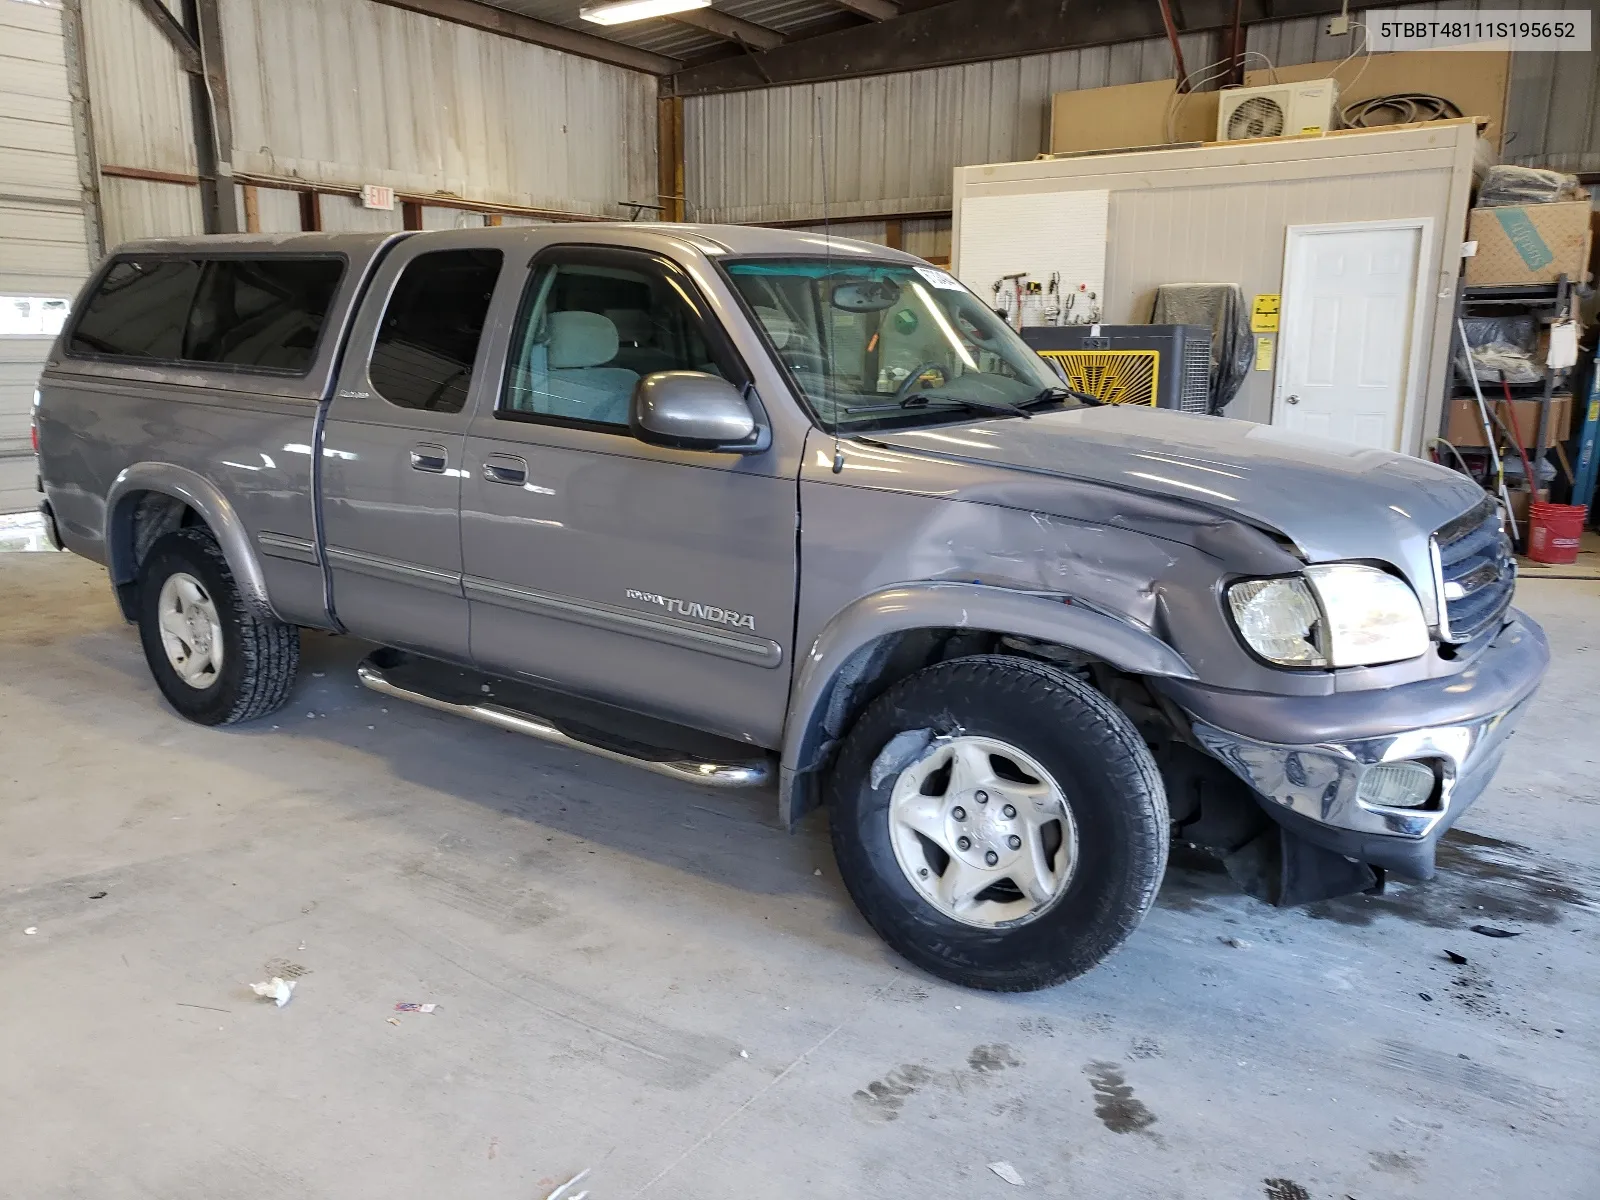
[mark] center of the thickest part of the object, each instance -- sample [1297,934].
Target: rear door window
[430,331]
[265,313]
[140,310]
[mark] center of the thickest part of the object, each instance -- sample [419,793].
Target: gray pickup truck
[742,506]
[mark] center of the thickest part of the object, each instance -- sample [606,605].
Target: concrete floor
[607,948]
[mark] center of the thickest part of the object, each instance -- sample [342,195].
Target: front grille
[1476,571]
[1194,394]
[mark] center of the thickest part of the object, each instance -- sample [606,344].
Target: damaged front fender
[844,652]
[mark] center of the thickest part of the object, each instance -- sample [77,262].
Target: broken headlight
[1335,615]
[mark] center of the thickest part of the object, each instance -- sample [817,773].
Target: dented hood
[1333,500]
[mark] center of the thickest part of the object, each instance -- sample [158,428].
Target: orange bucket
[1553,532]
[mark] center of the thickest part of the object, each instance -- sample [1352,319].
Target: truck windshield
[886,345]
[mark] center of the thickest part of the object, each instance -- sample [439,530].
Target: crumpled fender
[200,494]
[954,605]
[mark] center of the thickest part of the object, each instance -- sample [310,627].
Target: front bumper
[1306,756]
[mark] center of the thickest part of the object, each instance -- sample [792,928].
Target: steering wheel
[903,392]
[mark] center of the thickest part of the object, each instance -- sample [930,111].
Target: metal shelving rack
[1548,303]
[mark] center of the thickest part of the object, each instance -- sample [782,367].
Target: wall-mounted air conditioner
[1278,110]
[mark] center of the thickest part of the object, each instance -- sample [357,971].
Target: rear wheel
[999,822]
[217,657]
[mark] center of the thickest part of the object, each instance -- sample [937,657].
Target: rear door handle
[429,458]
[505,468]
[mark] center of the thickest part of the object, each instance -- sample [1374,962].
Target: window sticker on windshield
[940,279]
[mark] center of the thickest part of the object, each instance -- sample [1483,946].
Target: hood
[1333,500]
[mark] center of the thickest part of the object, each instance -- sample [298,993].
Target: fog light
[1397,785]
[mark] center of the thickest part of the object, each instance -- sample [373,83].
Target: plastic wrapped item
[1502,344]
[1508,184]
[1221,307]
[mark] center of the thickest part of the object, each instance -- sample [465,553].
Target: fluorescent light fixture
[620,12]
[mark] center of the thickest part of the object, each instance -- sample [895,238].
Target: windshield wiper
[1051,394]
[918,399]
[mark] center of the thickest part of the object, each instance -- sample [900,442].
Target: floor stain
[1486,877]
[1473,990]
[1042,1026]
[989,1059]
[1195,879]
[1394,1163]
[882,1099]
[1114,1101]
[1284,1189]
[284,969]
[1144,1047]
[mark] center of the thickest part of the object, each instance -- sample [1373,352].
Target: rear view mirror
[866,295]
[692,410]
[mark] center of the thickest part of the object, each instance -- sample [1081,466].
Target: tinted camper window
[140,310]
[261,314]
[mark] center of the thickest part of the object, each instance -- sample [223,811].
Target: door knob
[1292,399]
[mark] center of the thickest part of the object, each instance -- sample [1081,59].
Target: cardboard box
[1128,115]
[1466,431]
[1520,500]
[1530,243]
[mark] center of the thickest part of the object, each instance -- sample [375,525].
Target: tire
[1095,759]
[259,654]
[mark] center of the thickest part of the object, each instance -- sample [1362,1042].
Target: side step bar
[377,674]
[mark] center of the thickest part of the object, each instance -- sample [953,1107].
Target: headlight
[1336,615]
[1279,620]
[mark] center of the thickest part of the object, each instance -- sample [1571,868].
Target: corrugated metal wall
[893,140]
[139,98]
[347,92]
[350,92]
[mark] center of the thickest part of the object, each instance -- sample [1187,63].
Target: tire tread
[1086,717]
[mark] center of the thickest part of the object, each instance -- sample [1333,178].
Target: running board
[394,673]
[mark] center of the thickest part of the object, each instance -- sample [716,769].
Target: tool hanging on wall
[1009,292]
[1052,304]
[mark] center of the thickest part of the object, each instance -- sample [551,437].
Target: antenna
[827,258]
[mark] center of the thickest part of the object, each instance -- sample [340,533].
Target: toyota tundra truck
[746,507]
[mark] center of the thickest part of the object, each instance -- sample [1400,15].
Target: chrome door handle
[505,468]
[1292,399]
[432,459]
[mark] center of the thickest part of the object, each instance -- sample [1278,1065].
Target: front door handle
[432,459]
[1292,399]
[505,468]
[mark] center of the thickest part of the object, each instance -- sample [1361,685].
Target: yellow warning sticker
[1264,315]
[1264,351]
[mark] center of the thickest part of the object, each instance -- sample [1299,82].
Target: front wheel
[1000,823]
[217,657]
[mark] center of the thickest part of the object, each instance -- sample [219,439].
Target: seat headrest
[581,339]
[634,327]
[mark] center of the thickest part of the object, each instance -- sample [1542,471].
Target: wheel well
[1208,804]
[140,519]
[880,664]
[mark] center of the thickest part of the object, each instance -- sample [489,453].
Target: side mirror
[691,410]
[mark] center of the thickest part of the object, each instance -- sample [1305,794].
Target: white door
[1346,331]
[44,237]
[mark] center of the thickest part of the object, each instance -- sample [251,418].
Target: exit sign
[375,195]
